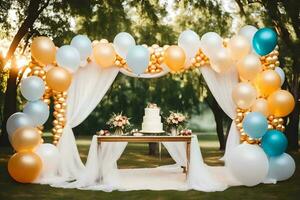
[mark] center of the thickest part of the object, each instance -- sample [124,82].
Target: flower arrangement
[103,133]
[119,123]
[186,132]
[176,119]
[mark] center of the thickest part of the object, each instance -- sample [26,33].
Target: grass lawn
[136,156]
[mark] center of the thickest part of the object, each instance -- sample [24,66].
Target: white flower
[115,123]
[119,123]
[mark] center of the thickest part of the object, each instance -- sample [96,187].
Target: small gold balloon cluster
[59,114]
[156,59]
[270,61]
[241,113]
[199,60]
[276,123]
[120,62]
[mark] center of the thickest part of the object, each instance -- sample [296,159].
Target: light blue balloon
[274,143]
[281,73]
[38,111]
[281,167]
[255,124]
[83,44]
[264,41]
[18,120]
[122,43]
[138,58]
[68,57]
[32,88]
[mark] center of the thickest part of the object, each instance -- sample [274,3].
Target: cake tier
[153,119]
[152,127]
[152,112]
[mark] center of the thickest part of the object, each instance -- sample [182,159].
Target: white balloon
[248,164]
[50,157]
[189,41]
[281,167]
[281,73]
[248,32]
[210,42]
[122,43]
[68,57]
[83,44]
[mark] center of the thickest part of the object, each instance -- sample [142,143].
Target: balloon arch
[261,104]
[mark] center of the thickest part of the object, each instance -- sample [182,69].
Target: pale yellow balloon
[104,54]
[25,139]
[238,47]
[267,82]
[43,50]
[244,95]
[174,57]
[281,103]
[58,79]
[249,67]
[25,166]
[261,105]
[221,60]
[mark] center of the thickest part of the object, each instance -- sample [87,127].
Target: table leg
[188,149]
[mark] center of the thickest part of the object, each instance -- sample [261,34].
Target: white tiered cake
[152,120]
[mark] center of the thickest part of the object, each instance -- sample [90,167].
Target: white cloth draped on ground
[89,85]
[221,86]
[102,173]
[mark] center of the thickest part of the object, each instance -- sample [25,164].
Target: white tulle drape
[221,86]
[89,85]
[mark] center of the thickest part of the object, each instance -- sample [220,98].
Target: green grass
[135,156]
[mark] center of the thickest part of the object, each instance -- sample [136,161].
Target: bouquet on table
[119,123]
[175,121]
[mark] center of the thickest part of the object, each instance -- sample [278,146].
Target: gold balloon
[267,82]
[104,54]
[249,67]
[281,103]
[174,57]
[25,166]
[25,139]
[43,50]
[238,47]
[244,95]
[58,79]
[261,105]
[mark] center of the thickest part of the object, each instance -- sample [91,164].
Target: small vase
[174,131]
[118,131]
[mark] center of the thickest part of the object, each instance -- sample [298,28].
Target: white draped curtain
[90,83]
[221,86]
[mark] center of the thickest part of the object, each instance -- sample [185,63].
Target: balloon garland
[260,102]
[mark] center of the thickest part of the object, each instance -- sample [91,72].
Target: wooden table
[147,139]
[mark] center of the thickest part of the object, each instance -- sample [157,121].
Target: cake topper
[152,105]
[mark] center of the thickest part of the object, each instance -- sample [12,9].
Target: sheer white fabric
[221,86]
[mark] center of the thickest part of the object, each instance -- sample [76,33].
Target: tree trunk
[10,103]
[153,148]
[219,116]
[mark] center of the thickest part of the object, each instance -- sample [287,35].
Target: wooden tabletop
[144,138]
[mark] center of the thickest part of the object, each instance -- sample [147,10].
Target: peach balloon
[58,79]
[244,95]
[261,105]
[25,166]
[43,50]
[104,54]
[174,57]
[25,139]
[267,82]
[281,103]
[249,67]
[238,47]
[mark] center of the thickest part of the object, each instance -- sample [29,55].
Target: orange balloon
[244,95]
[43,50]
[104,54]
[267,82]
[174,57]
[58,79]
[261,105]
[25,166]
[25,139]
[281,103]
